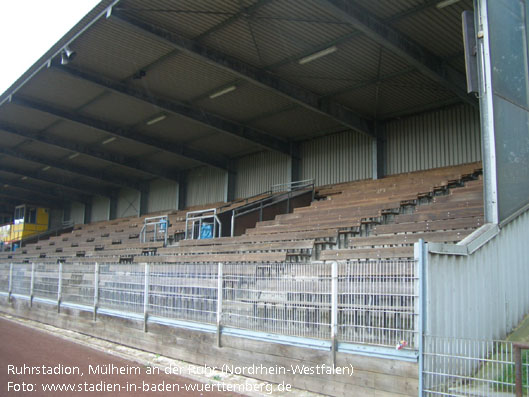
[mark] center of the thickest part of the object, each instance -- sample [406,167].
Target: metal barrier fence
[371,302]
[463,367]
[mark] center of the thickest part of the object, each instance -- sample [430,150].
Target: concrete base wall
[371,377]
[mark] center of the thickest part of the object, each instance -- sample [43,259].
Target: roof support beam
[32,199]
[188,111]
[70,184]
[67,115]
[425,61]
[51,193]
[65,166]
[255,75]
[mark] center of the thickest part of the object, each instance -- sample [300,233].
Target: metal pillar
[220,278]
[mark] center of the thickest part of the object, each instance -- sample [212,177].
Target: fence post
[96,289]
[10,284]
[334,310]
[220,279]
[59,289]
[420,258]
[32,284]
[518,367]
[146,297]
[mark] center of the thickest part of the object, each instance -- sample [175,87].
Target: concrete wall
[372,376]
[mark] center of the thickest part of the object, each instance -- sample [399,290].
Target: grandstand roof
[157,87]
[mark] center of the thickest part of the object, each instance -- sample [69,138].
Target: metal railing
[276,194]
[353,302]
[464,367]
[159,224]
[207,216]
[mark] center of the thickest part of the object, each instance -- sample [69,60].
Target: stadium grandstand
[277,180]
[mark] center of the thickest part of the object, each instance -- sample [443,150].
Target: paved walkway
[25,353]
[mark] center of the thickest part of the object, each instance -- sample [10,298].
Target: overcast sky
[28,28]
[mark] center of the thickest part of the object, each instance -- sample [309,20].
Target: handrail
[200,216]
[291,189]
[155,221]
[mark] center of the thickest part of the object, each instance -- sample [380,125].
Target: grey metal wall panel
[55,218]
[342,157]
[445,137]
[205,185]
[483,295]
[128,203]
[100,208]
[163,195]
[77,213]
[257,172]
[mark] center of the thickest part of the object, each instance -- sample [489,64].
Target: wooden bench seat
[408,238]
[450,224]
[243,247]
[243,257]
[368,253]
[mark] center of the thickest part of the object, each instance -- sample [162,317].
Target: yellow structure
[27,222]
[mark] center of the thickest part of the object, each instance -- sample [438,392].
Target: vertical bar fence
[370,302]
[464,367]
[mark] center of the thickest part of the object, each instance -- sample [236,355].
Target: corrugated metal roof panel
[246,102]
[129,148]
[120,109]
[442,24]
[169,161]
[297,123]
[88,162]
[355,61]
[387,8]
[363,100]
[176,129]
[25,117]
[224,144]
[116,50]
[51,152]
[76,132]
[188,17]
[286,28]
[409,91]
[183,77]
[10,140]
[128,173]
[60,89]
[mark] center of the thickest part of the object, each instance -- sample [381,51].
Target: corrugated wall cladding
[56,218]
[437,139]
[163,195]
[257,172]
[337,158]
[128,203]
[483,295]
[77,213]
[205,185]
[100,209]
